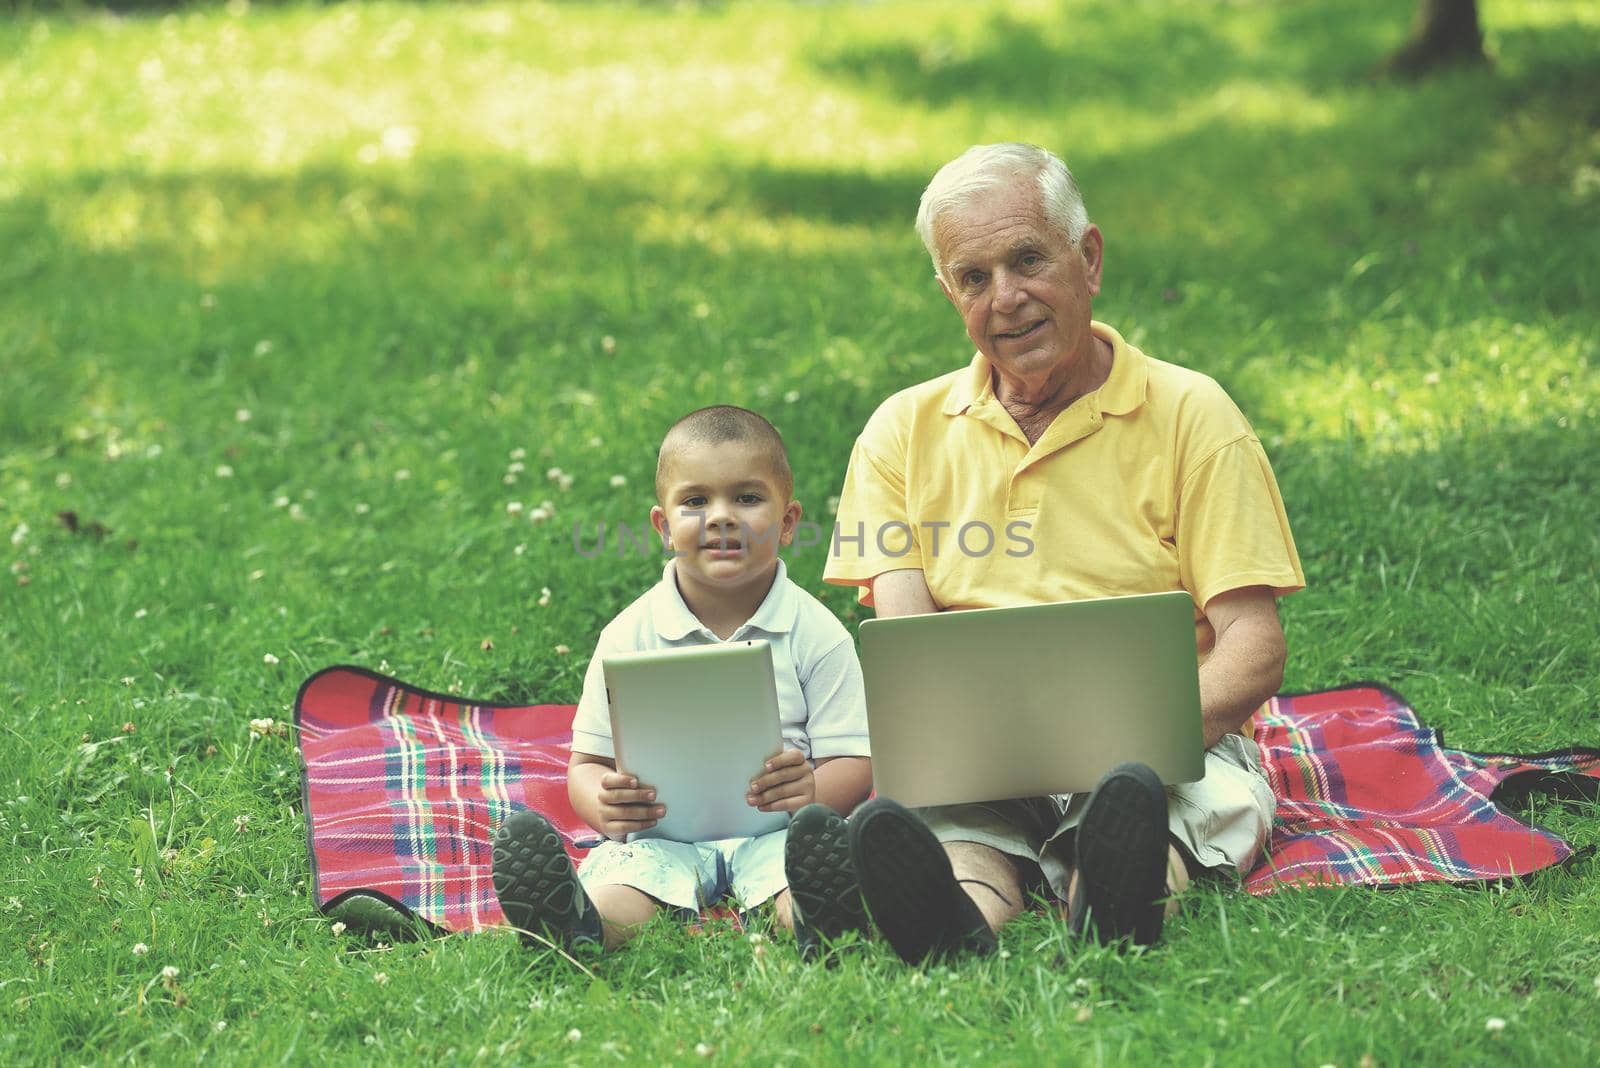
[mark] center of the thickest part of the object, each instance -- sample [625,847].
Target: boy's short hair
[722,423]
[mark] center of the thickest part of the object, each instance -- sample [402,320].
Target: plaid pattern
[404,788]
[1368,795]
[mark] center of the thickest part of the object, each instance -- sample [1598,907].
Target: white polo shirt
[821,699]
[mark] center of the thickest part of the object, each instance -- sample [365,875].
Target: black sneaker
[824,896]
[910,888]
[1122,859]
[538,890]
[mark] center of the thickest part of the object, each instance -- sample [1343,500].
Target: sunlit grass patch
[301,304]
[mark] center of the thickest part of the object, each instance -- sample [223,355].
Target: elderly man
[1131,476]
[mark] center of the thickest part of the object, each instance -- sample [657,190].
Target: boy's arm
[611,802]
[836,723]
[844,782]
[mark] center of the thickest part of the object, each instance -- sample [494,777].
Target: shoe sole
[822,880]
[1122,858]
[537,888]
[908,885]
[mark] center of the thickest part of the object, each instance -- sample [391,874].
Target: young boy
[724,496]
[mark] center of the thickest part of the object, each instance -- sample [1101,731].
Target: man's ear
[951,297]
[1093,246]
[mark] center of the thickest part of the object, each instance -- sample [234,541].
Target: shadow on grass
[1141,56]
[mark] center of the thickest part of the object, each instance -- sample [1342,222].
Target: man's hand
[786,784]
[625,805]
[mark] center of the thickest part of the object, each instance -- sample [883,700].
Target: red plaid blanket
[1368,795]
[403,789]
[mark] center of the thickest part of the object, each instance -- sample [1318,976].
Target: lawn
[284,289]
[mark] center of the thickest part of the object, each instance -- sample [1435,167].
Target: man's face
[723,515]
[1023,290]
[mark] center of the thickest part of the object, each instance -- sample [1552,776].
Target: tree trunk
[1443,33]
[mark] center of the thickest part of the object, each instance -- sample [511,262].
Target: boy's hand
[626,805]
[786,784]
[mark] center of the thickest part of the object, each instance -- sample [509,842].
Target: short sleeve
[591,725]
[873,520]
[1232,530]
[836,704]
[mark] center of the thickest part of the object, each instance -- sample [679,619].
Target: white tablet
[697,723]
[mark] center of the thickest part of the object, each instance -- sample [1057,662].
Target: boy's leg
[630,881]
[623,911]
[755,872]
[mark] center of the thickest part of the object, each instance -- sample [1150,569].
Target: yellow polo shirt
[1153,482]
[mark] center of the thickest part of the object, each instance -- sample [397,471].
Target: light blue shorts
[691,875]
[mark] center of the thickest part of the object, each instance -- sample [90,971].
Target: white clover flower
[402,474]
[381,978]
[220,1026]
[141,613]
[257,575]
[554,474]
[241,823]
[224,471]
[296,512]
[609,344]
[515,467]
[362,508]
[791,396]
[19,535]
[338,927]
[1494,1025]
[756,938]
[140,949]
[268,658]
[704,1050]
[562,650]
[519,550]
[544,596]
[169,973]
[280,501]
[618,481]
[63,480]
[574,1035]
[513,508]
[566,482]
[539,514]
[242,415]
[263,347]
[519,453]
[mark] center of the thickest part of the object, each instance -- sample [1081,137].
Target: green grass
[355,256]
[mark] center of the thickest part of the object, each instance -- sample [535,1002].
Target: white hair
[983,168]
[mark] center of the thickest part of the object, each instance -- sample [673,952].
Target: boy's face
[724,515]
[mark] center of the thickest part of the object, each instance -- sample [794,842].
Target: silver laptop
[697,723]
[1033,700]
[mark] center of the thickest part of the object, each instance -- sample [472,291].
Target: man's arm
[902,593]
[1246,663]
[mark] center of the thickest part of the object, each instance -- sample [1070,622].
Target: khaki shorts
[1220,822]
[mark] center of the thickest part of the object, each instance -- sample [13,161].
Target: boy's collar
[674,621]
